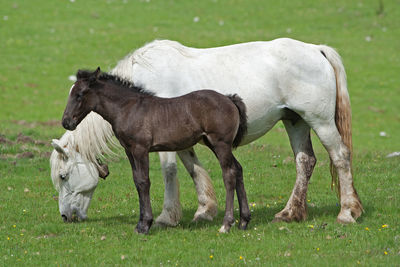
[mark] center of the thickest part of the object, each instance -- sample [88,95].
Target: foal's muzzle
[68,124]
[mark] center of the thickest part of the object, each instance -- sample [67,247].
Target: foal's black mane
[86,74]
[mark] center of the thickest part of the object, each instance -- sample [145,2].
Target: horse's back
[269,76]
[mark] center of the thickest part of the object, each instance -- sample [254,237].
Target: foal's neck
[113,99]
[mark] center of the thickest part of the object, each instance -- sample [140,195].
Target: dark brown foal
[145,123]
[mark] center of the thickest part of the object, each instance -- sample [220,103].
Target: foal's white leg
[351,207]
[172,211]
[296,207]
[207,208]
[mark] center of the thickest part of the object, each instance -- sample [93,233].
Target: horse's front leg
[296,207]
[172,211]
[139,159]
[207,208]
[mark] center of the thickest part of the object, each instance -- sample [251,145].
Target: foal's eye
[79,97]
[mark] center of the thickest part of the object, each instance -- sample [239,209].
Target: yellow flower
[385,225]
[211,256]
[240,258]
[317,249]
[310,226]
[8,238]
[14,226]
[366,228]
[385,253]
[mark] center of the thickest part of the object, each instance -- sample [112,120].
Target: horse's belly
[259,123]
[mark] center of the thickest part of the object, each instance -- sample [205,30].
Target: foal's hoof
[243,224]
[143,227]
[141,231]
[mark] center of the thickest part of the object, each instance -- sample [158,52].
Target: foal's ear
[96,74]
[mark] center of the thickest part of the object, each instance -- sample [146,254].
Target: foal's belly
[166,143]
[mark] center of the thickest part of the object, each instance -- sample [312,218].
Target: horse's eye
[79,97]
[63,176]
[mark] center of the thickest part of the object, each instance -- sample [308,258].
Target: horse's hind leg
[299,135]
[172,212]
[351,207]
[207,208]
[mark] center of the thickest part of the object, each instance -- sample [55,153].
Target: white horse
[75,175]
[302,84]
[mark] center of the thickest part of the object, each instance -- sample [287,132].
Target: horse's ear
[57,146]
[97,72]
[95,76]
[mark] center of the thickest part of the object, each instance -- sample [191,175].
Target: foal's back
[180,122]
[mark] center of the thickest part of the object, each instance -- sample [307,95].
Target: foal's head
[82,99]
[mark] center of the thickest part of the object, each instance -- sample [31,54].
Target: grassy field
[44,42]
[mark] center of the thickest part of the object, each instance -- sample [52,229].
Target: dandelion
[317,249]
[385,225]
[385,253]
[14,226]
[211,257]
[310,226]
[240,258]
[8,238]
[366,228]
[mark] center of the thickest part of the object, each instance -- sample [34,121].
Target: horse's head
[82,99]
[75,179]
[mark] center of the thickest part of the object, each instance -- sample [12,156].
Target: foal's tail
[343,109]
[242,130]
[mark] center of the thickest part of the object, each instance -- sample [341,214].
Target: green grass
[43,42]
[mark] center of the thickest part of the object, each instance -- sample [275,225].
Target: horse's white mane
[93,138]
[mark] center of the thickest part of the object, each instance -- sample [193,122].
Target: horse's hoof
[224,229]
[345,218]
[206,213]
[287,215]
[166,221]
[202,216]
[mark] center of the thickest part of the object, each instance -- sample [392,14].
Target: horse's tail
[343,109]
[242,130]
